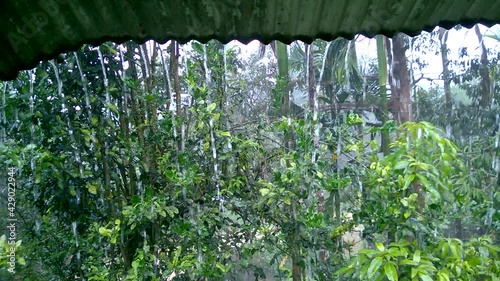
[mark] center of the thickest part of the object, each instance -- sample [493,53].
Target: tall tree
[400,101]
[483,70]
[443,38]
[382,78]
[284,93]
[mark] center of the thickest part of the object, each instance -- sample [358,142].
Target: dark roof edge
[11,74]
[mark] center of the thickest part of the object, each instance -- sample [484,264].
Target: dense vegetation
[193,162]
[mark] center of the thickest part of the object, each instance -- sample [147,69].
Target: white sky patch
[366,49]
[457,39]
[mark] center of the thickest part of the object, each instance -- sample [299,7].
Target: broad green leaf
[343,271]
[380,246]
[390,271]
[408,262]
[416,256]
[225,134]
[425,277]
[475,261]
[401,165]
[264,191]
[374,266]
[423,180]
[444,249]
[172,211]
[163,213]
[104,231]
[414,272]
[397,252]
[211,107]
[113,108]
[443,276]
[92,188]
[454,249]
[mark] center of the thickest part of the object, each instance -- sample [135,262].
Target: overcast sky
[457,39]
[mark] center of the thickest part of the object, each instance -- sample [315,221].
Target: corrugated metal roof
[32,30]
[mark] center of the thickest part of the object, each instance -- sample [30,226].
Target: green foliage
[449,259]
[118,184]
[422,164]
[414,181]
[11,255]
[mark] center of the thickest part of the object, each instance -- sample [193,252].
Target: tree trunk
[284,91]
[136,115]
[483,71]
[282,57]
[443,37]
[400,101]
[3,119]
[174,56]
[382,79]
[353,55]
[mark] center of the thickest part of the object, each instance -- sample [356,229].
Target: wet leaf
[390,271]
[374,266]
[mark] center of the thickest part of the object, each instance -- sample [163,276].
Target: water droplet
[105,76]
[33,164]
[38,225]
[448,131]
[75,232]
[36,193]
[200,255]
[139,187]
[77,195]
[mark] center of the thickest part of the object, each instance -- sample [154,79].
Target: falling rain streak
[65,112]
[211,124]
[224,182]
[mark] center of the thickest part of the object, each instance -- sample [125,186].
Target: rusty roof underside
[33,30]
